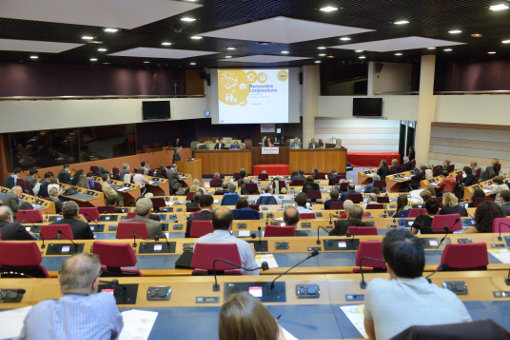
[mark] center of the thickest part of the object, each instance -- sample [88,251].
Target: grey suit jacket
[12,201]
[173,177]
[154,228]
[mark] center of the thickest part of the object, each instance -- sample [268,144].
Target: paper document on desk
[11,322]
[286,334]
[137,324]
[121,189]
[269,258]
[356,316]
[503,255]
[152,182]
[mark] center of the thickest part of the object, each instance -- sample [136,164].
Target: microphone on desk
[135,236]
[318,236]
[313,254]
[447,231]
[91,220]
[166,240]
[41,237]
[59,237]
[442,267]
[331,218]
[363,283]
[216,286]
[499,229]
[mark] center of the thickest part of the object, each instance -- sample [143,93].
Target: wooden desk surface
[87,197]
[46,207]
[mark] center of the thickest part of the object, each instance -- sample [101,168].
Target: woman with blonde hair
[243,317]
[195,186]
[451,205]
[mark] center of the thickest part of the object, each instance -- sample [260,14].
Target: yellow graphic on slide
[262,77]
[283,75]
[234,86]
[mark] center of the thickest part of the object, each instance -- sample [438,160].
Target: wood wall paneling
[323,159]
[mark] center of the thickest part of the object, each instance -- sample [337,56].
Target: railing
[99,97]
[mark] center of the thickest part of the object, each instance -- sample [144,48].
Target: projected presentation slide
[253,96]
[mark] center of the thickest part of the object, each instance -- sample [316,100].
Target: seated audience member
[370,186]
[474,166]
[505,201]
[194,202]
[313,144]
[347,205]
[315,174]
[243,211]
[476,194]
[485,213]
[332,177]
[310,185]
[41,188]
[173,178]
[195,187]
[445,165]
[160,172]
[115,203]
[407,164]
[407,294]
[31,178]
[11,199]
[395,167]
[300,177]
[351,189]
[76,176]
[296,144]
[469,178]
[333,197]
[53,182]
[383,169]
[125,171]
[178,143]
[498,186]
[54,197]
[222,224]
[220,145]
[451,205]
[109,192]
[98,316]
[448,183]
[487,174]
[376,191]
[216,180]
[267,197]
[144,165]
[242,175]
[412,154]
[425,195]
[83,182]
[140,180]
[231,197]
[10,230]
[143,209]
[402,206]
[235,145]
[495,166]
[222,190]
[371,199]
[244,317]
[26,206]
[416,178]
[64,176]
[263,175]
[301,204]
[205,203]
[10,180]
[278,185]
[291,218]
[432,191]
[354,216]
[423,223]
[242,184]
[78,223]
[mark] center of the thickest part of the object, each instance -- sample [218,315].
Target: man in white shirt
[222,224]
[300,203]
[407,299]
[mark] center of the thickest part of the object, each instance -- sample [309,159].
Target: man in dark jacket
[205,214]
[354,216]
[79,225]
[11,230]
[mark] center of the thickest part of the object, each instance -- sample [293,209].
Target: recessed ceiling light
[166,43]
[102,49]
[231,48]
[317,61]
[476,35]
[362,57]
[491,52]
[87,37]
[146,62]
[401,22]
[447,50]
[358,51]
[228,56]
[329,9]
[398,54]
[192,63]
[345,38]
[321,48]
[34,57]
[196,37]
[93,59]
[322,54]
[506,41]
[498,7]
[106,63]
[284,52]
[188,19]
[431,48]
[455,31]
[111,30]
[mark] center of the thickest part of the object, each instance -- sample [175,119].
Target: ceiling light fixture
[93,59]
[498,7]
[196,37]
[358,51]
[166,43]
[447,50]
[284,52]
[228,56]
[455,31]
[102,49]
[192,63]
[111,30]
[231,48]
[34,57]
[328,9]
[87,37]
[401,22]
[491,52]
[188,19]
[362,57]
[506,41]
[322,54]
[317,61]
[345,38]
[398,54]
[321,48]
[146,62]
[431,48]
[476,35]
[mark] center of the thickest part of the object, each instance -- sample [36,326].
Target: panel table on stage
[46,206]
[323,159]
[84,197]
[224,161]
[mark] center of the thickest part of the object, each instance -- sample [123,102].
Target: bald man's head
[80,274]
[291,216]
[5,214]
[222,218]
